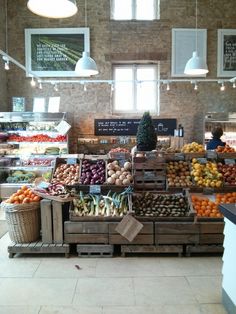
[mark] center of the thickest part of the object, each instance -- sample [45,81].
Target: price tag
[71,161]
[179,156]
[229,161]
[208,191]
[202,160]
[63,127]
[151,155]
[149,175]
[95,189]
[211,154]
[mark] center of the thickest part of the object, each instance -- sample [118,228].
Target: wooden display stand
[52,233]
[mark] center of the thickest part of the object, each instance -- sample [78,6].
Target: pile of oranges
[22,196]
[207,208]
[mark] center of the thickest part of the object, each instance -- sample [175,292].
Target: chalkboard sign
[120,127]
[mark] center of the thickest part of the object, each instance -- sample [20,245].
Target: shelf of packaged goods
[52,133]
[28,168]
[40,143]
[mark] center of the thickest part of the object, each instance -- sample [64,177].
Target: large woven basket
[23,221]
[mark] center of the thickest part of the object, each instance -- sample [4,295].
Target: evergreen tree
[146,135]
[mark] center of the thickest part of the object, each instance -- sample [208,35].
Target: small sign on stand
[129,227]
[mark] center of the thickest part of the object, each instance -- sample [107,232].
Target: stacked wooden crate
[149,173]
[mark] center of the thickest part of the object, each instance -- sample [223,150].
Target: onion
[111,180]
[118,182]
[126,182]
[111,172]
[127,165]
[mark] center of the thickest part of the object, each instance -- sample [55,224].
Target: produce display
[225,149]
[205,207]
[169,150]
[178,174]
[119,172]
[161,205]
[66,174]
[206,175]
[54,150]
[46,162]
[228,172]
[21,176]
[193,148]
[209,208]
[119,150]
[41,126]
[23,195]
[93,172]
[36,138]
[56,189]
[112,204]
[226,198]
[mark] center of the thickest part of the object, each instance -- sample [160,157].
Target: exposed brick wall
[3,79]
[112,41]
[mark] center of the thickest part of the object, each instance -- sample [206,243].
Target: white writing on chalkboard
[229,53]
[50,53]
[130,126]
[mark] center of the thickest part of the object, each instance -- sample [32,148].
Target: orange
[26,200]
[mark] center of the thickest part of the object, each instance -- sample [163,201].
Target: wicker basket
[23,221]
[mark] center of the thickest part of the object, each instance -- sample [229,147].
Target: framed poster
[183,45]
[226,53]
[18,104]
[53,52]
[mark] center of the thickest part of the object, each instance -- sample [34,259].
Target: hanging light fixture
[86,66]
[196,65]
[53,8]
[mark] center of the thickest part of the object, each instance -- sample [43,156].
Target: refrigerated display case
[29,145]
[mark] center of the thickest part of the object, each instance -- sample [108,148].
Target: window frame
[135,86]
[134,11]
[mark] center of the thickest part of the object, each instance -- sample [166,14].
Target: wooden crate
[151,249]
[51,221]
[176,233]
[86,232]
[149,175]
[145,236]
[211,232]
[227,155]
[190,156]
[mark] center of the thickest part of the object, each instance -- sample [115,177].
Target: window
[39,104]
[136,88]
[135,9]
[53,104]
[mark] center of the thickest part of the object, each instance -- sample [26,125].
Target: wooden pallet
[94,250]
[38,248]
[211,248]
[151,249]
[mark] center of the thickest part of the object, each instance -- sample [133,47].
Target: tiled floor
[137,285]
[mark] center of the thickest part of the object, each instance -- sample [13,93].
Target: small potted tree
[146,135]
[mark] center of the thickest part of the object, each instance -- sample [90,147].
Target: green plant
[146,135]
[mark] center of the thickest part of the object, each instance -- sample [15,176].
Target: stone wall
[3,81]
[115,41]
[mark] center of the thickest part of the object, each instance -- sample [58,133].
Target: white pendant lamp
[86,66]
[53,8]
[196,65]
